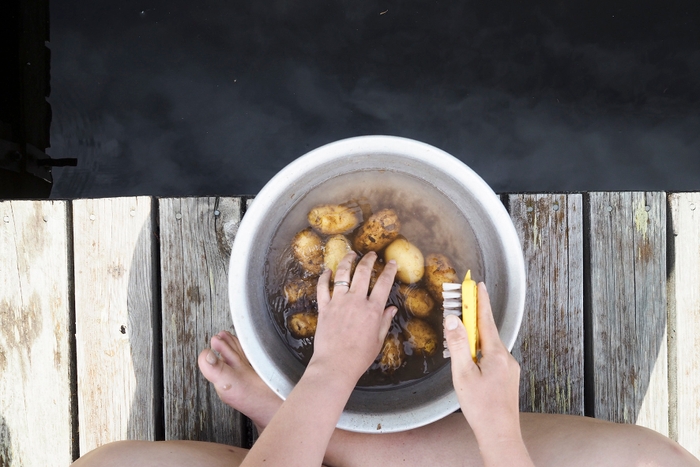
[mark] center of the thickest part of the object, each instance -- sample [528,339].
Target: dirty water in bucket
[429,220]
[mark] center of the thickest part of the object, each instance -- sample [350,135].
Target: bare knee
[109,455]
[654,449]
[173,453]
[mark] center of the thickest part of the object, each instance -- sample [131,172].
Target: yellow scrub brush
[461,298]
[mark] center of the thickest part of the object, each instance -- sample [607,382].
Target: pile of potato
[336,229]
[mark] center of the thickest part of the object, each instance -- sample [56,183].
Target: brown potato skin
[438,270]
[298,288]
[421,336]
[409,259]
[417,301]
[377,232]
[333,219]
[335,249]
[392,355]
[302,325]
[307,248]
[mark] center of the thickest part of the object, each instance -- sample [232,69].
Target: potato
[438,270]
[334,250]
[421,336]
[417,301]
[298,288]
[408,258]
[332,219]
[302,325]
[392,355]
[378,231]
[307,249]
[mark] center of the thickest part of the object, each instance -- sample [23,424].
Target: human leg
[552,440]
[162,454]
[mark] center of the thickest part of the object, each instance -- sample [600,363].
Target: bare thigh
[552,440]
[162,454]
[566,440]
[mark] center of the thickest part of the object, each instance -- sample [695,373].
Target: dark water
[415,204]
[214,97]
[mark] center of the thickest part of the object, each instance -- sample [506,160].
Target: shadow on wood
[116,320]
[143,328]
[195,246]
[627,369]
[5,444]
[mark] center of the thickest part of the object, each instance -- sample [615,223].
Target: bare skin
[457,440]
[488,390]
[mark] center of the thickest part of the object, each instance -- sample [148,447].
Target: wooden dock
[105,304]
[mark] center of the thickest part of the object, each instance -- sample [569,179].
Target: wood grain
[116,319]
[628,307]
[684,319]
[550,345]
[196,236]
[35,351]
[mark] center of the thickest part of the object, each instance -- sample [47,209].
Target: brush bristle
[451,305]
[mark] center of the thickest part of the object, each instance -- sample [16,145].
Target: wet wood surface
[36,405]
[550,343]
[605,281]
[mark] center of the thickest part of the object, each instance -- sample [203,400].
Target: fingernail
[217,336]
[451,322]
[394,311]
[211,358]
[392,261]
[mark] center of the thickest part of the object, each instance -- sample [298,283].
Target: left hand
[351,325]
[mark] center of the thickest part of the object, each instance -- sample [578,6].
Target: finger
[323,294]
[458,345]
[389,313]
[380,292]
[342,273]
[363,271]
[488,332]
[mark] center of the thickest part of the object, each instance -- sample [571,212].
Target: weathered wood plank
[196,236]
[35,335]
[628,308]
[684,319]
[550,345]
[116,318]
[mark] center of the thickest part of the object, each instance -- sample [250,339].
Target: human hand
[351,325]
[487,391]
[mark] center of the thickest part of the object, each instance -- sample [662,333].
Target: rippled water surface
[214,97]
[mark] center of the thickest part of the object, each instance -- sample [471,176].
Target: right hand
[487,391]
